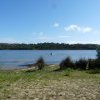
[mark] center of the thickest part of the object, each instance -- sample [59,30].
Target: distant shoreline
[47,46]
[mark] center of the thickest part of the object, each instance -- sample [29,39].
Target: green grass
[15,83]
[46,73]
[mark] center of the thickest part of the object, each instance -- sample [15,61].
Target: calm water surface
[13,59]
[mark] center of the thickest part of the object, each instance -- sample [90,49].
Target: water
[13,59]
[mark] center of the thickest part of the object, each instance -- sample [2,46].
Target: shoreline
[27,67]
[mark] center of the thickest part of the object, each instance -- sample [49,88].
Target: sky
[59,21]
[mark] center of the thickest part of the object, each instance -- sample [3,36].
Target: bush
[97,64]
[94,64]
[96,71]
[81,64]
[40,63]
[67,63]
[98,53]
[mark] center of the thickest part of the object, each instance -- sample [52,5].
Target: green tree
[40,63]
[98,53]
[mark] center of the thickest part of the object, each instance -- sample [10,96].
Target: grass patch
[49,72]
[46,84]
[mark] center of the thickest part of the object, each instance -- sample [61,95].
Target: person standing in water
[51,54]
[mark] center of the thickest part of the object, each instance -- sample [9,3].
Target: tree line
[47,46]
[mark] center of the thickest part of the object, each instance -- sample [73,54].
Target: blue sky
[63,21]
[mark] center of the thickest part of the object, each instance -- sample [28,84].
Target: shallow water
[13,59]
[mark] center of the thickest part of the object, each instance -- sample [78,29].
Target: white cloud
[56,24]
[77,28]
[86,29]
[72,28]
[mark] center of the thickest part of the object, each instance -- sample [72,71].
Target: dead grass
[49,85]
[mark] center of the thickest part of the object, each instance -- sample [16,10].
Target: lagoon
[14,59]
